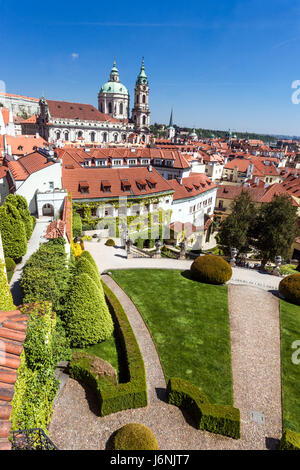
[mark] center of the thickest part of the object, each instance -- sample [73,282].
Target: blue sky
[220,65]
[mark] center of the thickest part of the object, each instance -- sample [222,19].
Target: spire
[171,119]
[142,77]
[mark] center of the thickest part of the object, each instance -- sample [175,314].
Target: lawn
[290,332]
[189,323]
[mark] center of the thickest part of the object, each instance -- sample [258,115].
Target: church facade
[61,121]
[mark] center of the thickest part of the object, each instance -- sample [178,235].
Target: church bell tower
[141,110]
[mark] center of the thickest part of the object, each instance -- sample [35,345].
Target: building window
[144,99]
[144,119]
[92,136]
[104,137]
[79,134]
[109,108]
[51,184]
[121,108]
[66,135]
[58,135]
[116,137]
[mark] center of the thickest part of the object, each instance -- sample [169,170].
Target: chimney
[150,168]
[37,135]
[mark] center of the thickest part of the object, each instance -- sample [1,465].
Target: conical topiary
[86,265]
[13,232]
[21,204]
[86,316]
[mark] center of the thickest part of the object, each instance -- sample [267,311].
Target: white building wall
[193,209]
[40,181]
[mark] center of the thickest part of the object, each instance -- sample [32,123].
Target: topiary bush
[86,314]
[110,242]
[134,436]
[21,204]
[211,269]
[10,264]
[13,232]
[289,287]
[85,265]
[6,301]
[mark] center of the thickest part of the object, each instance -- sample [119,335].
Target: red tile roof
[18,96]
[3,171]
[193,185]
[80,111]
[22,144]
[25,166]
[114,176]
[5,114]
[13,327]
[55,229]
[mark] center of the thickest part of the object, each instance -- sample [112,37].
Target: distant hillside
[160,129]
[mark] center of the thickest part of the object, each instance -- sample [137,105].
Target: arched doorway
[48,210]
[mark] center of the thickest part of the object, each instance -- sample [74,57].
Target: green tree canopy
[6,301]
[276,228]
[236,230]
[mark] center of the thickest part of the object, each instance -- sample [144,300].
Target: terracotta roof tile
[193,185]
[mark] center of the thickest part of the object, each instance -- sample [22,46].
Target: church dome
[114,87]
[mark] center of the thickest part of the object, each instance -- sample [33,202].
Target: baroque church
[61,121]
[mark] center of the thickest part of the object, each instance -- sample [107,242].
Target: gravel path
[254,318]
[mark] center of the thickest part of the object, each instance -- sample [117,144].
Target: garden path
[37,237]
[256,377]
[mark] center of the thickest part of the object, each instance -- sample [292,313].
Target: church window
[105,137]
[58,135]
[144,99]
[80,134]
[109,108]
[66,135]
[92,136]
[116,137]
[144,119]
[121,108]
[101,108]
[137,98]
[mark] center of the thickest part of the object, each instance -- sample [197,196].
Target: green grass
[189,323]
[290,332]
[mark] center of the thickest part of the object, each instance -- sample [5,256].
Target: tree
[13,232]
[236,230]
[21,204]
[276,228]
[87,318]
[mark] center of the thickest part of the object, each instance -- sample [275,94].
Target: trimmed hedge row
[113,398]
[219,419]
[290,440]
[6,300]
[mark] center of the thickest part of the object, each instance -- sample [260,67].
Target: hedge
[113,398]
[219,419]
[110,242]
[77,225]
[6,300]
[13,232]
[45,275]
[85,265]
[86,315]
[134,436]
[36,386]
[290,440]
[10,264]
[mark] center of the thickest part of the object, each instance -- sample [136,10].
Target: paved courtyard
[108,257]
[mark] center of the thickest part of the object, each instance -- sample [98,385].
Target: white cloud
[74,55]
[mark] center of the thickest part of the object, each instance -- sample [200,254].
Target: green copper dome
[114,87]
[193,133]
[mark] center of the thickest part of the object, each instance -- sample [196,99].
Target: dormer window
[141,184]
[83,187]
[106,186]
[125,185]
[151,183]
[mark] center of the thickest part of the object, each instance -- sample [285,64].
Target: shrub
[140,243]
[211,269]
[219,419]
[87,317]
[110,242]
[21,204]
[289,287]
[290,440]
[124,396]
[134,436]
[33,219]
[10,264]
[13,232]
[6,301]
[77,225]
